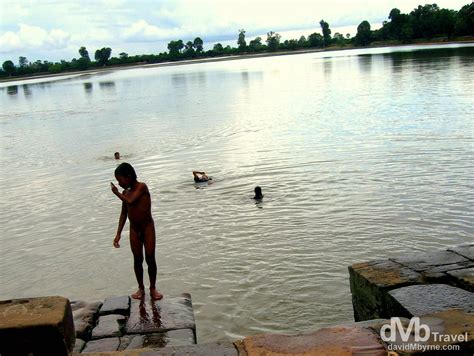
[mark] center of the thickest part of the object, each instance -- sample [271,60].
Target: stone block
[108,326]
[85,316]
[370,282]
[466,251]
[116,305]
[182,337]
[102,345]
[42,326]
[450,327]
[78,346]
[210,349]
[420,300]
[342,340]
[463,278]
[433,260]
[169,313]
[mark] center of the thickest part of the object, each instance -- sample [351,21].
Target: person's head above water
[117,155]
[125,175]
[258,193]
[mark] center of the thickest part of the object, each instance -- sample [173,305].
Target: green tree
[255,45]
[218,48]
[423,20]
[464,23]
[175,48]
[273,41]
[362,37]
[326,32]
[315,40]
[23,62]
[446,21]
[189,49]
[242,44]
[102,55]
[9,67]
[84,53]
[123,55]
[406,33]
[198,44]
[302,42]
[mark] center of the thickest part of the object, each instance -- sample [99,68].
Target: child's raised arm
[133,196]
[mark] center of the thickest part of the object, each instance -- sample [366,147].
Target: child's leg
[137,249]
[150,240]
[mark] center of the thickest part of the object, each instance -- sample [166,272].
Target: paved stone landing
[437,287]
[122,323]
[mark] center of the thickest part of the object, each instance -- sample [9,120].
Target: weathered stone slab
[210,349]
[101,345]
[463,278]
[36,325]
[116,305]
[466,251]
[85,315]
[428,261]
[78,346]
[326,341]
[182,337]
[451,327]
[169,313]
[371,280]
[420,300]
[108,326]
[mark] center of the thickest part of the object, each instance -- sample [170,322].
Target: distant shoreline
[469,40]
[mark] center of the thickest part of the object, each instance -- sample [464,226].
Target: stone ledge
[36,325]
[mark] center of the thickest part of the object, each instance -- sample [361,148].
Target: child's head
[125,175]
[117,155]
[258,193]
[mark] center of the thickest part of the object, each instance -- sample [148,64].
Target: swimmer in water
[136,206]
[117,155]
[200,177]
[258,193]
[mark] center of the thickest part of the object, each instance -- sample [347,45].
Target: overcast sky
[55,29]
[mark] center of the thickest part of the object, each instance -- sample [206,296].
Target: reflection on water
[88,87]
[12,90]
[361,154]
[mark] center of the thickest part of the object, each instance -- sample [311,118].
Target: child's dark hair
[125,170]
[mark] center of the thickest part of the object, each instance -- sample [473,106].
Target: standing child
[136,205]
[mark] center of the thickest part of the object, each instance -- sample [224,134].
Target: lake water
[361,154]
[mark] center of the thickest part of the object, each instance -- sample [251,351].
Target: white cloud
[31,37]
[143,31]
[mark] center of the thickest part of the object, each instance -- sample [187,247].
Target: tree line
[423,23]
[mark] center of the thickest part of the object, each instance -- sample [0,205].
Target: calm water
[361,155]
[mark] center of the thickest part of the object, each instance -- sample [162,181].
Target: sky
[55,29]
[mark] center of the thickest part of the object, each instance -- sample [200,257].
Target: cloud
[31,37]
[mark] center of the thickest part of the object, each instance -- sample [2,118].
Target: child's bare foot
[155,295]
[138,294]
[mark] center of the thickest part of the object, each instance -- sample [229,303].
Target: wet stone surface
[108,326]
[463,278]
[116,305]
[85,316]
[209,349]
[433,261]
[169,313]
[183,337]
[419,300]
[466,251]
[107,344]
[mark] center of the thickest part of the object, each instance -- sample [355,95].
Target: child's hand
[114,188]
[116,240]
